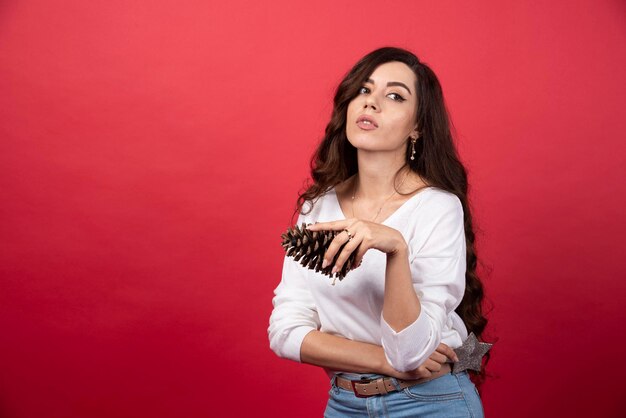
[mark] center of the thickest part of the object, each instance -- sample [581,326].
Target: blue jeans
[449,396]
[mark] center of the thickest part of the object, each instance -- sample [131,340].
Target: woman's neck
[376,175]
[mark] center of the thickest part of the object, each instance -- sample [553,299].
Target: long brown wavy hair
[436,162]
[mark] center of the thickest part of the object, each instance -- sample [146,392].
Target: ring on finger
[349,234]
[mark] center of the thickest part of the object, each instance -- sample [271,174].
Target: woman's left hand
[360,235]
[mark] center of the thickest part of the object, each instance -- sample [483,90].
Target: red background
[150,157]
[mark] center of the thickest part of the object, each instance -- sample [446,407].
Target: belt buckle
[357,394]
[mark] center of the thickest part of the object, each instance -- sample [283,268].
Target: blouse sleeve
[295,313]
[438,265]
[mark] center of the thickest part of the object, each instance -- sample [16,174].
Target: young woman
[387,176]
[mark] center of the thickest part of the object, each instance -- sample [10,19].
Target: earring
[413,148]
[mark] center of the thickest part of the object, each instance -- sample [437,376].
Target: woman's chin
[370,144]
[365,141]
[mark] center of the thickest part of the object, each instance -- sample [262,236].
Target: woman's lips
[366,125]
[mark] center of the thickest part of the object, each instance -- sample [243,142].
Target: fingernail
[334,270]
[325,263]
[456,359]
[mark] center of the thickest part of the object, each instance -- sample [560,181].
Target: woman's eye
[396,97]
[363,90]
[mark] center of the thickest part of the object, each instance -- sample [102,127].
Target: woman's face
[388,104]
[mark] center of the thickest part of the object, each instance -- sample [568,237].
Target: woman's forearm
[338,353]
[401,306]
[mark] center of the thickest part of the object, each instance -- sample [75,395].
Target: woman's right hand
[430,366]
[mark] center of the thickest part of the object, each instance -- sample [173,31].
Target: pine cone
[309,247]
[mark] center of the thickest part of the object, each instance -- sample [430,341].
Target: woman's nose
[371,103]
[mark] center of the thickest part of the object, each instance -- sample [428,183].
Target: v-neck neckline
[384,222]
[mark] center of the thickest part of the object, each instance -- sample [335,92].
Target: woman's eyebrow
[391,83]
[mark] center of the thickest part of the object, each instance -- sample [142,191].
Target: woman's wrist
[400,249]
[383,367]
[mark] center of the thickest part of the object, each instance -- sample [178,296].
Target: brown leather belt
[384,385]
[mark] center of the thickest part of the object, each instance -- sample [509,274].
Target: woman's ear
[415,133]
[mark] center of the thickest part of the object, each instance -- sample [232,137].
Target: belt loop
[333,384]
[395,383]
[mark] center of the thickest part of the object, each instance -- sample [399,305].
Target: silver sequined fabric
[470,354]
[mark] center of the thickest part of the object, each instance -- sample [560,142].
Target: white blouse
[432,224]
